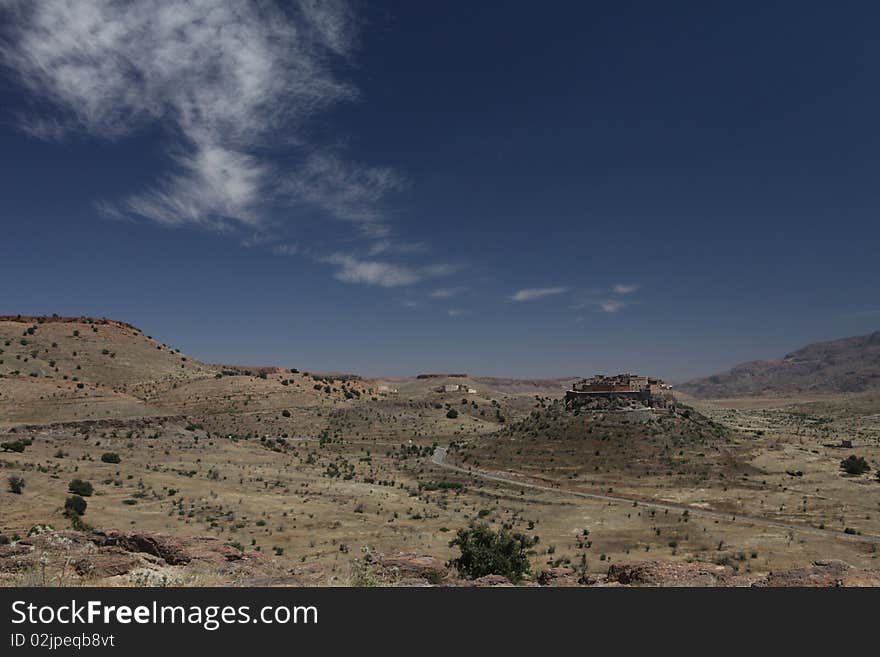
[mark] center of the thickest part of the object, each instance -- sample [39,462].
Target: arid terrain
[836,366]
[205,474]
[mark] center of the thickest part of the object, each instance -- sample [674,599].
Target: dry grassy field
[302,478]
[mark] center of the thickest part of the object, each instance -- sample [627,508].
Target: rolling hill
[837,366]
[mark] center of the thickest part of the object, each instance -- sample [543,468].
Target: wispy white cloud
[226,80]
[388,246]
[622,288]
[449,292]
[213,186]
[352,269]
[455,312]
[440,269]
[371,272]
[344,189]
[532,293]
[287,249]
[606,301]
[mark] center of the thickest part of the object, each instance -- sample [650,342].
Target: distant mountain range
[845,365]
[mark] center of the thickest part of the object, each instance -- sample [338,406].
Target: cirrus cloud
[533,293]
[352,269]
[227,82]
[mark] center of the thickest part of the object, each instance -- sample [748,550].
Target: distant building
[456,387]
[387,390]
[648,390]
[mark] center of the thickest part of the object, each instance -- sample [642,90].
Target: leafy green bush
[14,446]
[75,506]
[487,552]
[16,484]
[80,487]
[855,465]
[110,457]
[452,413]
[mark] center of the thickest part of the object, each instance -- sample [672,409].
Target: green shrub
[452,413]
[80,487]
[487,552]
[855,465]
[16,484]
[14,446]
[110,457]
[75,506]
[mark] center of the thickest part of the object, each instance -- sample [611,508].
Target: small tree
[487,552]
[855,465]
[110,457]
[452,413]
[16,484]
[80,487]
[74,506]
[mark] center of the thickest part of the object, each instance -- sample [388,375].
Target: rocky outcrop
[110,557]
[559,577]
[490,580]
[169,549]
[50,556]
[404,566]
[663,573]
[822,573]
[106,562]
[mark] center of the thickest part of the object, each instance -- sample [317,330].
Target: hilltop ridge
[845,365]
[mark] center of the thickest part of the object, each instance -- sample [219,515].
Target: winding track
[439,459]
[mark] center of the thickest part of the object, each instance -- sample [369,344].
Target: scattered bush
[452,413]
[14,446]
[487,552]
[80,487]
[75,506]
[16,484]
[855,465]
[110,457]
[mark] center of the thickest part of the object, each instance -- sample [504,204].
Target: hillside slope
[61,369]
[837,366]
[71,369]
[88,350]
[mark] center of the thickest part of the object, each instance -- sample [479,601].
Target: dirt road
[439,459]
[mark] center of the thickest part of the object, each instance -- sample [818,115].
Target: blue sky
[391,188]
